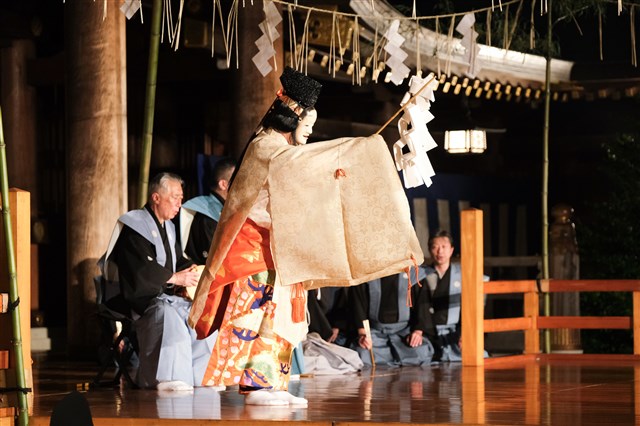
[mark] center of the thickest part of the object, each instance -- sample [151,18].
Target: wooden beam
[471,248]
[506,324]
[585,322]
[558,286]
[507,287]
[511,261]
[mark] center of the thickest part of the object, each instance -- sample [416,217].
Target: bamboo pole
[150,101]
[545,176]
[367,330]
[402,108]
[23,409]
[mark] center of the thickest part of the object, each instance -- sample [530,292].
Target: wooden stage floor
[543,390]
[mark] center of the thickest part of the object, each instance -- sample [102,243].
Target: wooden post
[20,206]
[532,334]
[18,100]
[472,253]
[96,94]
[636,323]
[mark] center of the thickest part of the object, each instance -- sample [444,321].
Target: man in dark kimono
[398,331]
[443,299]
[144,258]
[200,215]
[329,313]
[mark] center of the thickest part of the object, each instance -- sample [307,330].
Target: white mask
[305,128]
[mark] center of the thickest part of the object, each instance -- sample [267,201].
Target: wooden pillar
[471,249]
[18,100]
[564,264]
[95,54]
[532,334]
[19,205]
[636,323]
[253,93]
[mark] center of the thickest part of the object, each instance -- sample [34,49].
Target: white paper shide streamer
[395,61]
[265,42]
[410,152]
[130,7]
[469,42]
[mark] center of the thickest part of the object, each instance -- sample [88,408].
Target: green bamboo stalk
[150,102]
[23,409]
[545,176]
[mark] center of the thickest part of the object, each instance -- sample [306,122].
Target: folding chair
[115,352]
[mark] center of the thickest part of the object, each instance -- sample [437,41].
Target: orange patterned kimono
[247,352]
[249,254]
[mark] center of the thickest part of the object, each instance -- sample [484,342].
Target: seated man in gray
[146,260]
[442,297]
[398,331]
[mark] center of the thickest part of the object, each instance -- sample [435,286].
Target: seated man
[148,264]
[200,215]
[442,295]
[397,330]
[328,313]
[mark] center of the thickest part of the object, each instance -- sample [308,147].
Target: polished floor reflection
[543,391]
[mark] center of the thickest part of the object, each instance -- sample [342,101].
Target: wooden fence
[474,291]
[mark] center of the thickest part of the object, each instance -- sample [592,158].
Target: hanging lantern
[463,141]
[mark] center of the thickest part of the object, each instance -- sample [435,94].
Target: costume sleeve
[200,236]
[141,277]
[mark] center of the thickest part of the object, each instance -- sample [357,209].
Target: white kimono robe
[339,215]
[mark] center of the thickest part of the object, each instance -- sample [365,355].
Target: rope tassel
[298,303]
[409,301]
[410,284]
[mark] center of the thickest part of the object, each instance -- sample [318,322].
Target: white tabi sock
[174,385]
[265,397]
[293,400]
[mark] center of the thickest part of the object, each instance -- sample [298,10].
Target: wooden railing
[474,291]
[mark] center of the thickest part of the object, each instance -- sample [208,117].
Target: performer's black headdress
[299,87]
[296,86]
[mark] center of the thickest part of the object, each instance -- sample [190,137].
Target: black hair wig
[281,117]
